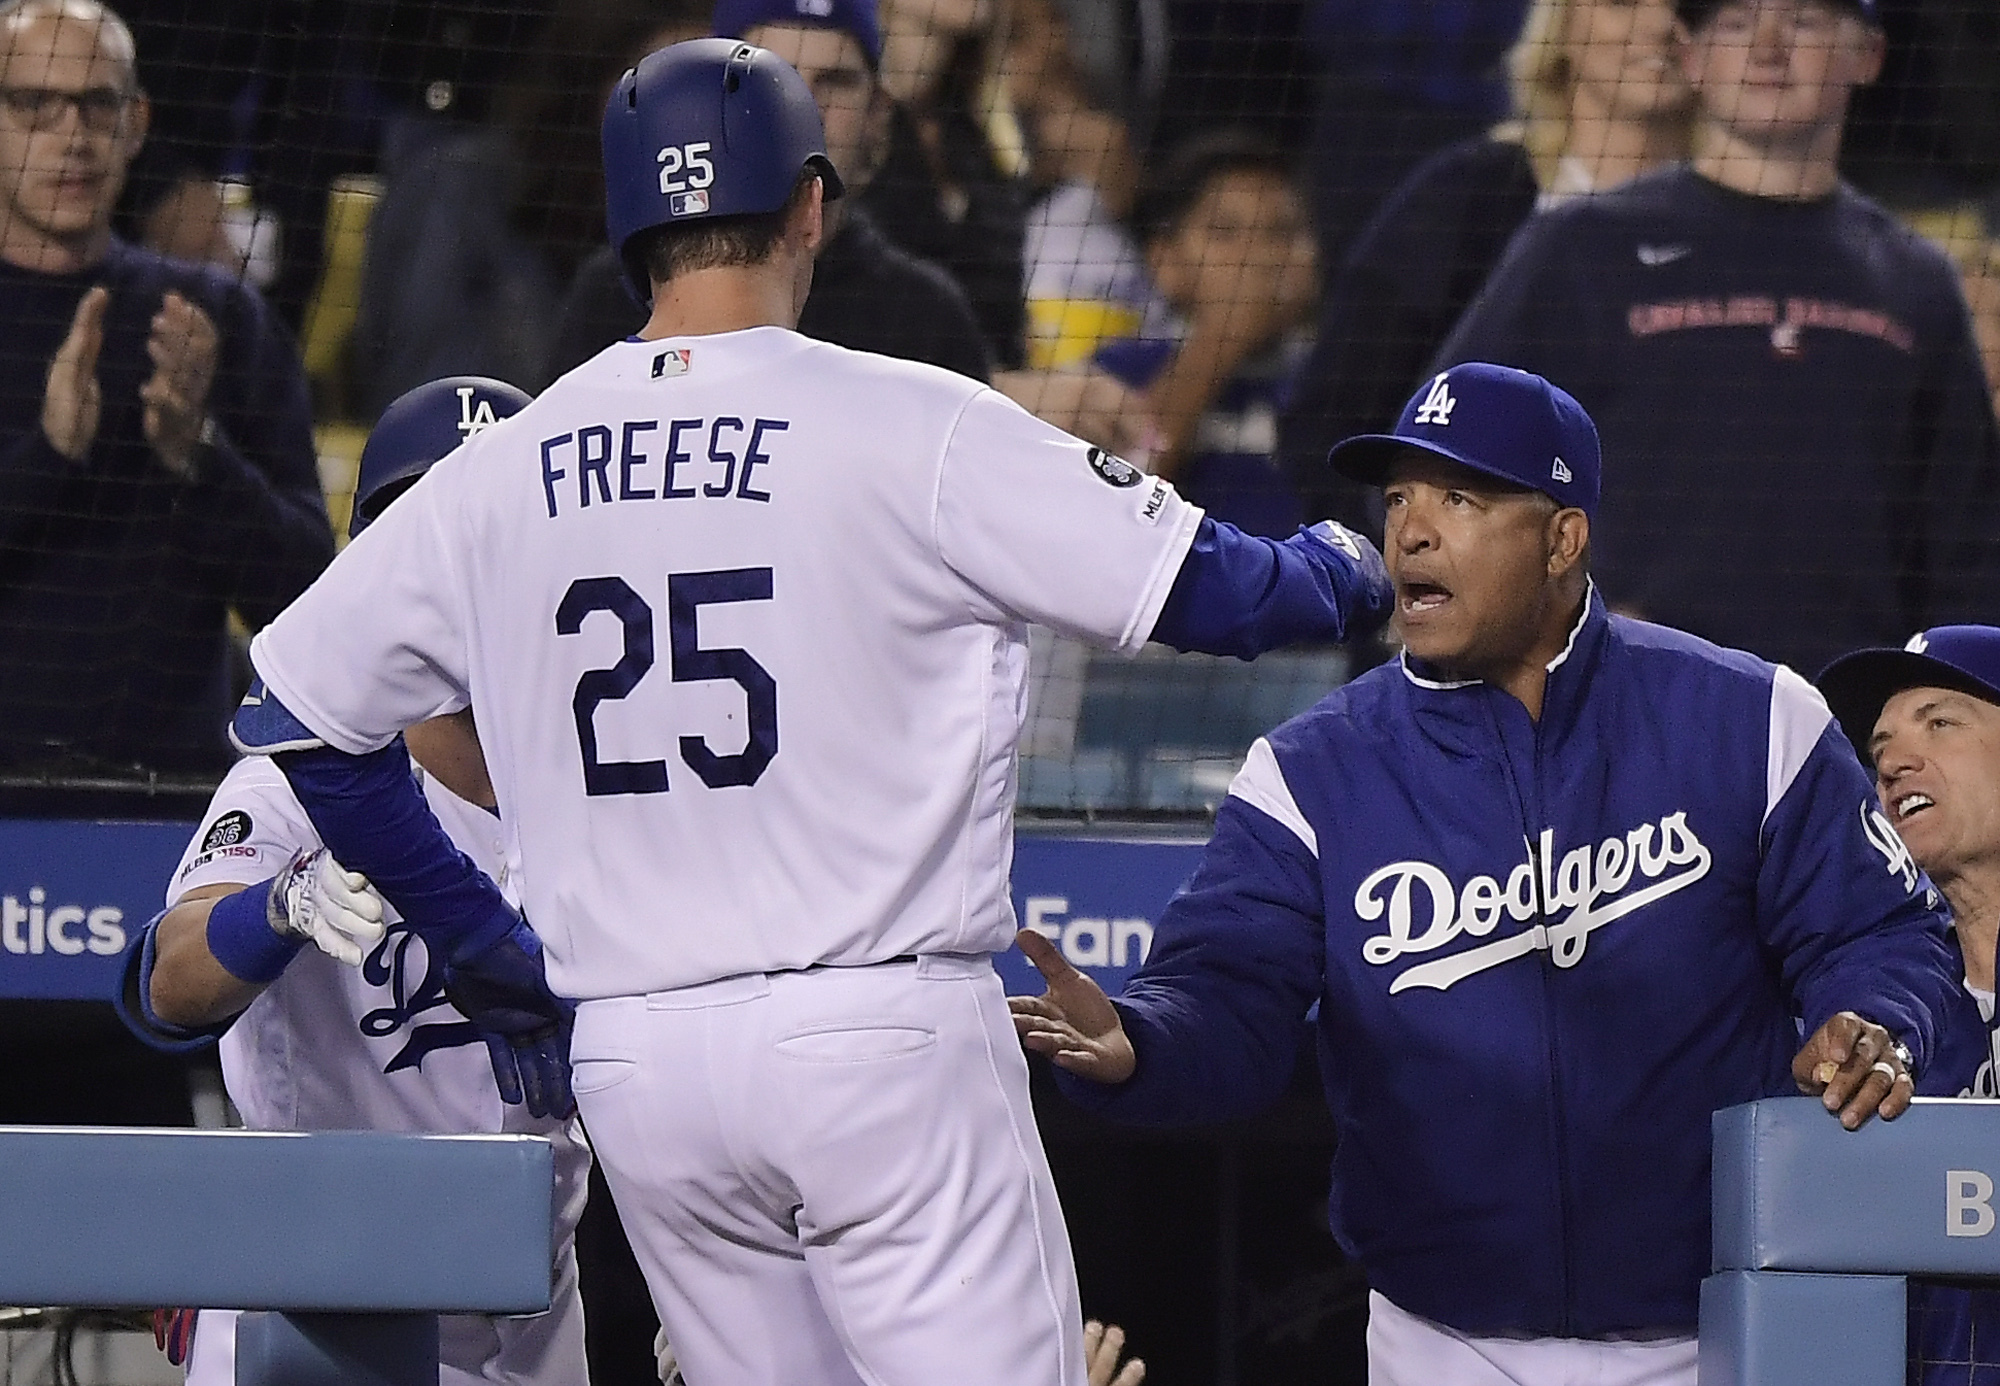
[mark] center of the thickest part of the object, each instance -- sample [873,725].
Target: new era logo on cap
[1559,472]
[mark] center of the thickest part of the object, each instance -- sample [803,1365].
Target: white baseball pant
[834,1176]
[1405,1350]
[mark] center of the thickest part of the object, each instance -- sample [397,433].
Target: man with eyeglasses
[157,470]
[157,465]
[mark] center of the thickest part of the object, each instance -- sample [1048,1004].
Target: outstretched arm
[1239,594]
[1208,1028]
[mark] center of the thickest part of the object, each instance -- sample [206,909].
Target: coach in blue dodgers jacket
[1561,885]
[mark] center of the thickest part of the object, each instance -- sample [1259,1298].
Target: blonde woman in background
[1600,99]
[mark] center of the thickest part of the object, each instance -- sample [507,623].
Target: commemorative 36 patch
[1115,470]
[228,830]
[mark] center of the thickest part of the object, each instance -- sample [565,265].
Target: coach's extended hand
[503,991]
[1073,1023]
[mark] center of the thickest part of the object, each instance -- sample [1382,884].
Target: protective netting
[1214,237]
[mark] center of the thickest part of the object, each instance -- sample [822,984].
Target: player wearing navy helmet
[359,1031]
[744,616]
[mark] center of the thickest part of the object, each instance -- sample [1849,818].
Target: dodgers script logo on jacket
[1589,887]
[1538,954]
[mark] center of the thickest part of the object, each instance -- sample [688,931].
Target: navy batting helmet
[713,127]
[419,428]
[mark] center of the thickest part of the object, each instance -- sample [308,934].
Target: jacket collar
[1568,671]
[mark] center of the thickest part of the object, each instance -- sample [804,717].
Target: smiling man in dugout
[1545,940]
[1926,720]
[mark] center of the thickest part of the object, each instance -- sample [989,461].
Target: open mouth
[1912,804]
[1420,598]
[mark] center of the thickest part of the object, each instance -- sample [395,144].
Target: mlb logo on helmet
[688,204]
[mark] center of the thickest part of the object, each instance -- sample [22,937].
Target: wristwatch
[1904,1057]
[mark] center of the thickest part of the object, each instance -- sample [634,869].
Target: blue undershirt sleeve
[372,815]
[1240,594]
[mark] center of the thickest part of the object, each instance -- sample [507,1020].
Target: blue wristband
[242,939]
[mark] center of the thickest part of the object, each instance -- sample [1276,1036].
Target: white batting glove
[317,898]
[670,1366]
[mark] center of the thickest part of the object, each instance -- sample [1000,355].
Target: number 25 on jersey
[689,663]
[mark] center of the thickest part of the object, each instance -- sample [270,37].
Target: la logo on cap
[1437,403]
[1560,471]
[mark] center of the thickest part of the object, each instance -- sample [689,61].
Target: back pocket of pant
[587,1076]
[856,1044]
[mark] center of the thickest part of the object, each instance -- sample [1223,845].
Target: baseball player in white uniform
[744,618]
[356,1033]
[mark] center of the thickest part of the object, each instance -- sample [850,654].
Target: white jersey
[744,617]
[328,1047]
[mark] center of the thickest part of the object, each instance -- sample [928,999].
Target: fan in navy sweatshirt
[1803,450]
[157,465]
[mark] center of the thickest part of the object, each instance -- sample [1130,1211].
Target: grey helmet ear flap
[713,127]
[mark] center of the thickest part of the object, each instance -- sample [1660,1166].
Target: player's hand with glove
[316,899]
[499,986]
[669,1363]
[1073,1023]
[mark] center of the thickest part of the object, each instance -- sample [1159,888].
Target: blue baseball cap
[1858,686]
[1695,13]
[856,18]
[1504,422]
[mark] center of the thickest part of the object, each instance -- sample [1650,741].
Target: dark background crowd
[1215,236]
